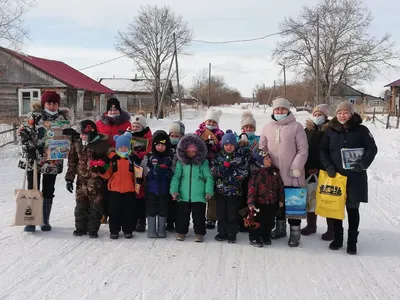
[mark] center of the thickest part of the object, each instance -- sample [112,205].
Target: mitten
[139,180]
[358,167]
[295,173]
[70,186]
[208,197]
[331,172]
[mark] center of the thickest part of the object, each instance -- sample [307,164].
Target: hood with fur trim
[64,113]
[354,121]
[311,126]
[183,144]
[122,118]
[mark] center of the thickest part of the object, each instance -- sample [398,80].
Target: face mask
[280,117]
[113,115]
[123,154]
[251,133]
[51,112]
[174,141]
[342,122]
[210,127]
[318,120]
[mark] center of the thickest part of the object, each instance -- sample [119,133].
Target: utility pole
[317,82]
[177,78]
[209,84]
[165,88]
[284,78]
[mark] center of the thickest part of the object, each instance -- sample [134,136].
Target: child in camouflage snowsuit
[229,168]
[83,162]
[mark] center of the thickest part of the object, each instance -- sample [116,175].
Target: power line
[104,62]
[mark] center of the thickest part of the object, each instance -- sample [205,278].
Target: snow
[125,84]
[57,265]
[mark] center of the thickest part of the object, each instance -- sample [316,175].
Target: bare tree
[347,52]
[12,27]
[148,40]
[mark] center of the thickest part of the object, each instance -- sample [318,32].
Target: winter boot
[47,204]
[220,237]
[162,224]
[93,235]
[79,232]
[199,238]
[128,235]
[295,234]
[311,224]
[170,226]
[280,230]
[231,238]
[180,237]
[337,238]
[151,229]
[210,224]
[256,243]
[114,236]
[30,228]
[328,235]
[352,242]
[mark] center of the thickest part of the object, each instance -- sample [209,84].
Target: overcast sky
[82,33]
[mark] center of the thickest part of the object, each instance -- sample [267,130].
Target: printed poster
[57,145]
[351,156]
[139,144]
[138,174]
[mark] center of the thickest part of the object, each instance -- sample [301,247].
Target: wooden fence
[14,138]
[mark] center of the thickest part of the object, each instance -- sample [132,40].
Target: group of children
[209,175]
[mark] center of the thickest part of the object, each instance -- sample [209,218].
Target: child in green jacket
[191,186]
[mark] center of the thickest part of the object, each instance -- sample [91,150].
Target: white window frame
[20,99]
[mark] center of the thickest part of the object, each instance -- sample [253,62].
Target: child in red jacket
[265,194]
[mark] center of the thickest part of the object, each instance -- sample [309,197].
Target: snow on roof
[127,85]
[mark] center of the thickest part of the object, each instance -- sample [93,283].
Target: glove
[174,196]
[162,166]
[208,197]
[295,173]
[70,186]
[98,169]
[358,167]
[139,180]
[331,172]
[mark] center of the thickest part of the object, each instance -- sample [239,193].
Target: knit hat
[324,108]
[123,140]
[213,114]
[89,128]
[229,138]
[258,156]
[177,127]
[281,102]
[248,119]
[139,119]
[50,97]
[113,102]
[345,105]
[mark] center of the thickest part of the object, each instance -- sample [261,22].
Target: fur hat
[213,114]
[140,119]
[50,97]
[113,102]
[281,102]
[177,127]
[123,140]
[36,106]
[89,128]
[229,138]
[324,108]
[345,105]
[248,119]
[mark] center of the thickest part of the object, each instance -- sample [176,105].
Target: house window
[352,101]
[25,97]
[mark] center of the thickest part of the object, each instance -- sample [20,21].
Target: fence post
[373,117]
[388,122]
[15,128]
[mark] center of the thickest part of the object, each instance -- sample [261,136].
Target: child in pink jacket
[286,143]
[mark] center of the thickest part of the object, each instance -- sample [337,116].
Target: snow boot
[79,232]
[266,241]
[104,219]
[280,230]
[128,235]
[30,228]
[311,224]
[328,235]
[180,237]
[337,238]
[352,242]
[114,236]
[141,226]
[47,204]
[231,238]
[162,224]
[210,224]
[151,229]
[256,243]
[295,234]
[170,226]
[93,235]
[220,237]
[199,238]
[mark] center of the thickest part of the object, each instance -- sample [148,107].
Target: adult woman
[111,123]
[33,150]
[286,143]
[315,129]
[345,131]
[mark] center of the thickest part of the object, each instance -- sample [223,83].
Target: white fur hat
[139,119]
[248,119]
[281,102]
[213,114]
[177,127]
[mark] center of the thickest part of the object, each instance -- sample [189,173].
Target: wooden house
[395,95]
[23,78]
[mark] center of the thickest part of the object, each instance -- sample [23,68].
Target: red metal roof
[62,72]
[394,83]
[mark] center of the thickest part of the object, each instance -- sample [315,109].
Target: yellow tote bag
[331,196]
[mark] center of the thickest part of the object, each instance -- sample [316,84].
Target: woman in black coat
[345,131]
[315,129]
